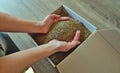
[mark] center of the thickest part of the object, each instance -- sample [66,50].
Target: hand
[49,21]
[62,46]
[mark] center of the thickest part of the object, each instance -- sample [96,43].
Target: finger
[55,16]
[72,44]
[64,18]
[59,18]
[77,36]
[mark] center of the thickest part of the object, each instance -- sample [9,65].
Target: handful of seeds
[63,31]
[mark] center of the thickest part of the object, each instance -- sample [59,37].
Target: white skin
[19,61]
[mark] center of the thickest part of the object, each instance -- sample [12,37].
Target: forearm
[19,61]
[11,23]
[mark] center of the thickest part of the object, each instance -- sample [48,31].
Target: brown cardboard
[65,11]
[97,54]
[56,58]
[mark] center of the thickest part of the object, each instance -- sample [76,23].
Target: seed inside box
[63,31]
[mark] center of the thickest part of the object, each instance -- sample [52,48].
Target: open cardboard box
[55,59]
[99,53]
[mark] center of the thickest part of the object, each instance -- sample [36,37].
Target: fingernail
[64,18]
[78,31]
[77,35]
[79,42]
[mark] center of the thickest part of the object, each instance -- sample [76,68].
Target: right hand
[49,21]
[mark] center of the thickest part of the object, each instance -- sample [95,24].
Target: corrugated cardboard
[100,53]
[65,11]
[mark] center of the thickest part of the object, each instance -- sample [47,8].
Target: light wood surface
[101,13]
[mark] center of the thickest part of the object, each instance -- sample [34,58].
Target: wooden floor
[101,13]
[104,14]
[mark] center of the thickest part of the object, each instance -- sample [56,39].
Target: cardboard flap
[95,55]
[112,36]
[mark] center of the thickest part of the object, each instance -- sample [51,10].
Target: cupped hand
[62,46]
[49,21]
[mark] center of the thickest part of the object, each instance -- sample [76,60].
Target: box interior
[65,11]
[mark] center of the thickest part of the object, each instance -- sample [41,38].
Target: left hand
[49,21]
[62,46]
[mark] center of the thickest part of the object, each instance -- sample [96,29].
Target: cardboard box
[99,53]
[55,59]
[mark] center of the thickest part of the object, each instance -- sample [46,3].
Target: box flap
[95,55]
[112,36]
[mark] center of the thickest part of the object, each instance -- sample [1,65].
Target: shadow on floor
[8,44]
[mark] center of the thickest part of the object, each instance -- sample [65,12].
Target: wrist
[56,45]
[36,27]
[43,27]
[52,48]
[39,27]
[28,26]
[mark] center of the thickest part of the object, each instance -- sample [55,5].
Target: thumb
[72,44]
[77,36]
